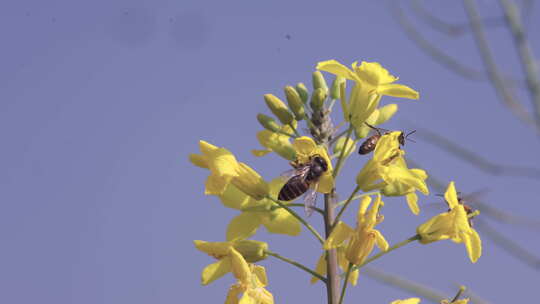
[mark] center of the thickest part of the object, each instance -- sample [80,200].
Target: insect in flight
[462,199]
[305,177]
[371,142]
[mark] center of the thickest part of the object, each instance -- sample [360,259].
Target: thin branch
[299,265]
[448,28]
[332,283]
[476,159]
[427,293]
[432,51]
[511,13]
[494,74]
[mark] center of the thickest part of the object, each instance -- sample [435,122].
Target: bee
[369,144]
[461,200]
[305,177]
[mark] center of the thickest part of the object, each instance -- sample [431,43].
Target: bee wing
[289,173]
[310,199]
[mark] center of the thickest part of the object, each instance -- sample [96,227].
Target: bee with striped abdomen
[305,177]
[371,142]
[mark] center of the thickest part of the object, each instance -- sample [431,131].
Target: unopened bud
[279,109]
[351,146]
[302,91]
[295,102]
[252,251]
[268,122]
[250,182]
[317,99]
[335,92]
[319,82]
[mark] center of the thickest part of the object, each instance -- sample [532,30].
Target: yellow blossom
[371,82]
[256,213]
[275,142]
[306,148]
[400,188]
[361,240]
[379,116]
[407,301]
[252,251]
[251,282]
[388,167]
[342,262]
[453,225]
[224,169]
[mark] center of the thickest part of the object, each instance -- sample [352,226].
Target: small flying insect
[461,200]
[371,142]
[305,177]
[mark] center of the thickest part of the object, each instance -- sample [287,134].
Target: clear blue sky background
[102,101]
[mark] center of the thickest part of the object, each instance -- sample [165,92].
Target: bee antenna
[409,134]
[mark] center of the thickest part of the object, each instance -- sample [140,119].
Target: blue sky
[101,103]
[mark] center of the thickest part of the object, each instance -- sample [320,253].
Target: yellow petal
[250,182]
[260,153]
[215,271]
[243,226]
[320,269]
[412,201]
[374,73]
[451,195]
[473,243]
[260,272]
[326,183]
[206,147]
[198,160]
[407,301]
[240,268]
[247,299]
[380,240]
[216,185]
[304,145]
[282,222]
[339,234]
[222,163]
[232,295]
[385,113]
[233,198]
[353,279]
[215,249]
[336,68]
[397,90]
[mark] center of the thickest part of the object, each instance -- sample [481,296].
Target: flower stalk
[296,264]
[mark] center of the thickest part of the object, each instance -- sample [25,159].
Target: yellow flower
[251,281]
[388,167]
[342,262]
[256,213]
[364,237]
[462,301]
[400,188]
[379,116]
[224,169]
[305,149]
[252,251]
[453,225]
[275,142]
[407,301]
[371,82]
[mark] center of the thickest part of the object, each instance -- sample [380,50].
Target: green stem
[292,262]
[298,217]
[342,154]
[347,275]
[357,197]
[394,247]
[294,130]
[347,202]
[460,291]
[319,210]
[285,133]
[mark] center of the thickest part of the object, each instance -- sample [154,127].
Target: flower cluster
[315,170]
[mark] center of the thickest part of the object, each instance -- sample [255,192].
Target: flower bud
[335,92]
[252,251]
[250,182]
[295,102]
[268,122]
[319,82]
[302,91]
[317,99]
[279,109]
